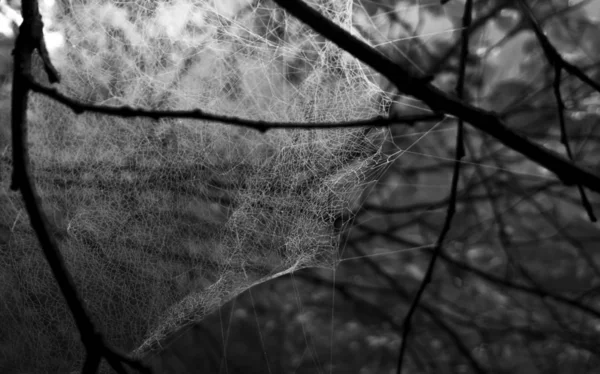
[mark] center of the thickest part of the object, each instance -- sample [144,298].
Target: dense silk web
[161,222]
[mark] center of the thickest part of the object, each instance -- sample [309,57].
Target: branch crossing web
[161,222]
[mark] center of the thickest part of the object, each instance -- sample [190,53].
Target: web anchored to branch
[161,218]
[162,221]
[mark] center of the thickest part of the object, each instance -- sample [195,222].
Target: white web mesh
[161,222]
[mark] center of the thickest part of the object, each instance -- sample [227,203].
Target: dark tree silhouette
[474,254]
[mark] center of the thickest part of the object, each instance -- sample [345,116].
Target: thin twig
[552,54]
[440,102]
[559,63]
[31,38]
[80,107]
[344,289]
[459,154]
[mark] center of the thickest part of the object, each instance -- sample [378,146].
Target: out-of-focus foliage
[160,222]
[516,227]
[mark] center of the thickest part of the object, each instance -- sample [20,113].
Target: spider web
[161,222]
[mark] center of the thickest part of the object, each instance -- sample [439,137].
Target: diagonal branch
[485,121]
[559,63]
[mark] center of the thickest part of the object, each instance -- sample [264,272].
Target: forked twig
[440,102]
[459,154]
[31,38]
[560,64]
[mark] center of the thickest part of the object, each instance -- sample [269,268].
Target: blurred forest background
[517,287]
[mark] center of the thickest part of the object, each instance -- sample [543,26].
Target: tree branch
[486,121]
[31,38]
